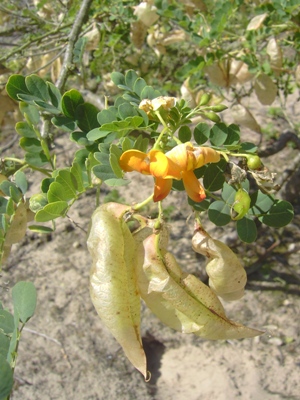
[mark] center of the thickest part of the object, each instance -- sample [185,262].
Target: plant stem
[143,203]
[73,36]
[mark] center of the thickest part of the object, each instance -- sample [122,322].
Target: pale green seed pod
[241,204]
[113,285]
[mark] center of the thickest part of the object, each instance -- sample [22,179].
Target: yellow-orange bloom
[178,163]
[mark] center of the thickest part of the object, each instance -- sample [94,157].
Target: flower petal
[162,167]
[205,155]
[162,188]
[135,160]
[193,187]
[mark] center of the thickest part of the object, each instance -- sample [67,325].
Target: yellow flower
[178,163]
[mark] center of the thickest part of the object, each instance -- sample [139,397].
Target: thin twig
[65,356]
[73,36]
[43,335]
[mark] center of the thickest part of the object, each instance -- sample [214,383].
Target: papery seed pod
[227,277]
[113,286]
[297,75]
[146,13]
[256,22]
[181,301]
[242,116]
[239,73]
[217,74]
[138,33]
[275,54]
[17,229]
[265,89]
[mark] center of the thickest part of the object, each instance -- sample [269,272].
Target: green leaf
[3,205]
[202,206]
[228,193]
[201,133]
[30,112]
[76,171]
[122,127]
[219,213]
[247,147]
[79,49]
[55,95]
[46,182]
[115,166]
[36,159]
[7,324]
[113,182]
[106,116]
[37,87]
[49,108]
[21,181]
[184,134]
[7,379]
[126,110]
[16,85]
[52,211]
[261,203]
[246,230]
[28,98]
[130,78]
[69,103]
[57,193]
[40,229]
[127,143]
[117,78]
[139,85]
[80,138]
[96,134]
[31,145]
[4,344]
[104,172]
[280,214]
[25,130]
[11,190]
[149,93]
[64,123]
[10,208]
[68,181]
[214,178]
[233,132]
[24,300]
[218,134]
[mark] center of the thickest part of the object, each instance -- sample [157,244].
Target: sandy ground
[66,353]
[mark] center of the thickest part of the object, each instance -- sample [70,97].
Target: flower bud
[212,116]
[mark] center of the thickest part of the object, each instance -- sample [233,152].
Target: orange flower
[178,163]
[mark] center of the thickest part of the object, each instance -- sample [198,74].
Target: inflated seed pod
[183,302]
[241,204]
[227,277]
[113,286]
